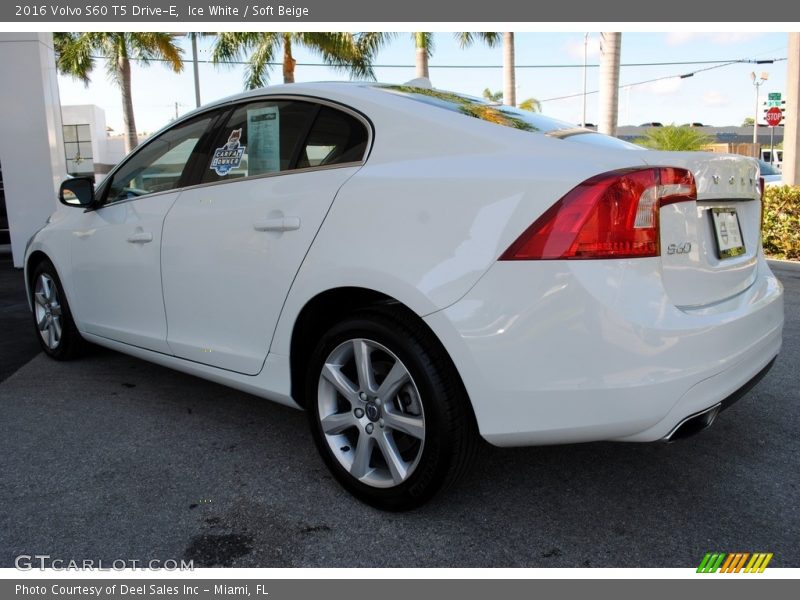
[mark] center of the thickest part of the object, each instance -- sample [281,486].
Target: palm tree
[423,42]
[509,72]
[531,104]
[343,51]
[610,44]
[76,57]
[492,96]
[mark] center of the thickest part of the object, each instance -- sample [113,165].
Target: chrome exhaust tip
[694,423]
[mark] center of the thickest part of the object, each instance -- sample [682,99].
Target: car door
[116,248]
[233,244]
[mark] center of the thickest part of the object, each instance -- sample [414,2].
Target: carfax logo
[719,562]
[229,156]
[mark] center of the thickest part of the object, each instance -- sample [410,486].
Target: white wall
[31,144]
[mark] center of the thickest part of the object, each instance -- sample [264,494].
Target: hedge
[781,231]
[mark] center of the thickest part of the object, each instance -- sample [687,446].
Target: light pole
[757,82]
[585,53]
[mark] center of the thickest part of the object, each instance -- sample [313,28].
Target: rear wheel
[52,318]
[387,410]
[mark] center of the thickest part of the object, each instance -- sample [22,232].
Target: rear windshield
[507,116]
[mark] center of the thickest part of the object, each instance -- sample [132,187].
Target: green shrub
[781,233]
[672,137]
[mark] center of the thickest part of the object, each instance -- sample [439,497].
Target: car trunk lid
[709,248]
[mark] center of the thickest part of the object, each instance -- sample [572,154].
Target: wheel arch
[329,307]
[33,260]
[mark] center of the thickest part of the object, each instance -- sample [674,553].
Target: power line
[462,66]
[678,75]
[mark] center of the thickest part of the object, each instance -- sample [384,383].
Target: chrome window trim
[250,100]
[233,181]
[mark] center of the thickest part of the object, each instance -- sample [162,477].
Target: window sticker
[230,155]
[263,137]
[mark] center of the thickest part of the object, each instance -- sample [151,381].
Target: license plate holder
[727,232]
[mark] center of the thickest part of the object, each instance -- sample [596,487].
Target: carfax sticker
[229,156]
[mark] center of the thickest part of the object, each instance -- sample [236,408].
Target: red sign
[774,116]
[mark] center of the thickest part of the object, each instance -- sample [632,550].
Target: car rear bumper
[573,351]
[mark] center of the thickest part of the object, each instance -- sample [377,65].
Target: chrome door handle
[140,237]
[278,224]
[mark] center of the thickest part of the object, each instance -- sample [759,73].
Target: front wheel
[57,333]
[388,411]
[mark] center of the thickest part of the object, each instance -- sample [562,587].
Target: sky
[719,96]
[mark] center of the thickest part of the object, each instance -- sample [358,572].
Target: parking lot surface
[110,457]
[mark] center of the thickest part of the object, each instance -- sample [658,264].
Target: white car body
[549,351]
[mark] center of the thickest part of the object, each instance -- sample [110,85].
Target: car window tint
[160,163]
[335,138]
[259,138]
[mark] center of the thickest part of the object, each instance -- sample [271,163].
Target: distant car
[418,269]
[651,124]
[771,174]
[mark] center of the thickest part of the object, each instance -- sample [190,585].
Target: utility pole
[610,44]
[196,71]
[791,130]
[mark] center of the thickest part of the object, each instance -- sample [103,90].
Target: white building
[88,147]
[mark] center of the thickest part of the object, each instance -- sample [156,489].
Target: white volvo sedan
[419,269]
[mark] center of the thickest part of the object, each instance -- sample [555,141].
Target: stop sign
[774,116]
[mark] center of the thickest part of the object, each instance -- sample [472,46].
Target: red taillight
[613,215]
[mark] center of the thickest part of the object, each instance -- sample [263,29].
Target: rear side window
[335,138]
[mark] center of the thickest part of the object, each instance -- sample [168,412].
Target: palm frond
[424,39]
[74,54]
[467,38]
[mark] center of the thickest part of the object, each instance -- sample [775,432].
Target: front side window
[160,164]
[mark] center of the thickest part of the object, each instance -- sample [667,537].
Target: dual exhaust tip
[694,423]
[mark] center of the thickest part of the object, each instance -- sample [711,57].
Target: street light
[757,83]
[585,54]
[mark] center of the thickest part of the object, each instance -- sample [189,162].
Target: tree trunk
[610,44]
[131,139]
[422,56]
[509,75]
[288,61]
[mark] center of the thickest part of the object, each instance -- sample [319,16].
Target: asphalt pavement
[110,457]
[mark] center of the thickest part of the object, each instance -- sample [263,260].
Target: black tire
[70,344]
[450,432]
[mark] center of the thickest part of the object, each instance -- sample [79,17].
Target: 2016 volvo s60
[418,269]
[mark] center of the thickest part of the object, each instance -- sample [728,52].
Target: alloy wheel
[371,413]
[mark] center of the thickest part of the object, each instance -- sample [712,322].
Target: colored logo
[229,156]
[719,562]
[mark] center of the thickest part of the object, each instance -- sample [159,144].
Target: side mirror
[77,192]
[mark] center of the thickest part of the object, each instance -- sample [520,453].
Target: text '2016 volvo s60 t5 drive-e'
[418,269]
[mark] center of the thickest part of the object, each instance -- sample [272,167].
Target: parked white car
[419,269]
